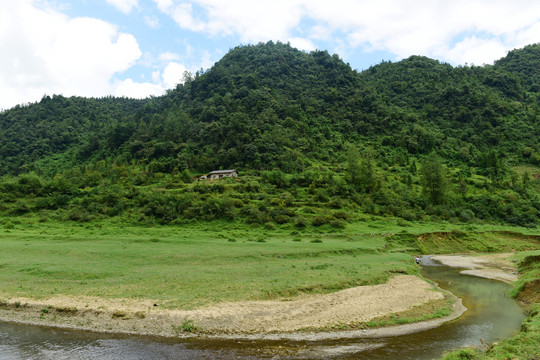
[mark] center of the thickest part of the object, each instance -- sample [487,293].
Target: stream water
[491,316]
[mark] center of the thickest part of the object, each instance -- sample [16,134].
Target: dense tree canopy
[411,139]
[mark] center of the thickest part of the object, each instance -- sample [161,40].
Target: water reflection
[492,316]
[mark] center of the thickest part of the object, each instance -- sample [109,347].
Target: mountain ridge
[416,138]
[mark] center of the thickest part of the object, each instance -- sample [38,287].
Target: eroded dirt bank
[305,314]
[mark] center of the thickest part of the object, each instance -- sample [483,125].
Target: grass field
[192,265]
[187,267]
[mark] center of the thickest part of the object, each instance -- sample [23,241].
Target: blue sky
[138,48]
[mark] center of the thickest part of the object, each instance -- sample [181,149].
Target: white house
[219,174]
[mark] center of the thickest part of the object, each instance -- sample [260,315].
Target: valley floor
[233,280]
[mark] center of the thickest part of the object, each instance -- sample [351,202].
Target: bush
[402,223]
[320,220]
[281,219]
[211,208]
[322,196]
[335,204]
[269,225]
[30,184]
[20,208]
[275,177]
[466,215]
[338,224]
[341,215]
[300,222]
[79,215]
[254,215]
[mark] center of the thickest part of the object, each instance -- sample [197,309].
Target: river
[491,316]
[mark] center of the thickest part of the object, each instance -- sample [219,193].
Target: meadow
[197,264]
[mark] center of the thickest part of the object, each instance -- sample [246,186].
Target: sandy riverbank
[491,266]
[300,317]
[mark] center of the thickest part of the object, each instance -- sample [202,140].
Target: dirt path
[314,312]
[491,266]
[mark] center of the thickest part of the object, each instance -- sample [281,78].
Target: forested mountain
[316,139]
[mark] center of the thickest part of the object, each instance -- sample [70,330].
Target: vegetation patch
[432,310]
[66,310]
[187,326]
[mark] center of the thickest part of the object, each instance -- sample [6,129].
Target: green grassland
[188,266]
[192,265]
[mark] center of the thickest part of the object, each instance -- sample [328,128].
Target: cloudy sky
[138,48]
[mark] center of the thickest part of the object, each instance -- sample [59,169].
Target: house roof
[222,171]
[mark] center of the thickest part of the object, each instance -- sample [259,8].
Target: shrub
[335,204]
[275,177]
[466,215]
[320,220]
[322,196]
[402,223]
[341,215]
[253,214]
[20,208]
[30,184]
[281,219]
[269,225]
[338,224]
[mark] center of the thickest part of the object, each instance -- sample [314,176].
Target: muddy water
[492,316]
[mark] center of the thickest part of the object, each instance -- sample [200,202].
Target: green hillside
[316,144]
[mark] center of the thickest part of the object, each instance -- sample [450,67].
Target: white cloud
[401,27]
[173,74]
[124,6]
[528,36]
[320,32]
[168,56]
[131,89]
[152,21]
[253,21]
[164,5]
[156,76]
[476,51]
[302,44]
[44,52]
